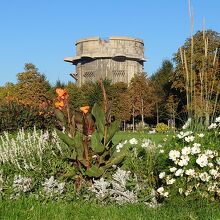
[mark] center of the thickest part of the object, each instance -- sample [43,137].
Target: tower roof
[114,47]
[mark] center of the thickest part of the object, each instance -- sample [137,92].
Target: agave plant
[89,137]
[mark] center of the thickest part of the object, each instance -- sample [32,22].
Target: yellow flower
[59,105]
[85,109]
[40,113]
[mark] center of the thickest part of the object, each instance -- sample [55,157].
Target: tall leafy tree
[197,73]
[171,108]
[7,92]
[76,98]
[92,93]
[26,103]
[32,87]
[162,85]
[142,95]
[121,102]
[60,84]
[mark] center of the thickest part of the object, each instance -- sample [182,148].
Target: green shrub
[161,127]
[14,116]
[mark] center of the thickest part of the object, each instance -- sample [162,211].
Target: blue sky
[44,31]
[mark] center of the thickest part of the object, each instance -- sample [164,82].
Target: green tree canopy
[32,87]
[142,95]
[121,101]
[162,85]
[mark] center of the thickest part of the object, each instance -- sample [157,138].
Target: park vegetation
[63,142]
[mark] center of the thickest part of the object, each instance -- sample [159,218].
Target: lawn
[157,137]
[173,209]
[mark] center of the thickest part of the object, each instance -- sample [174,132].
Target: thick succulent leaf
[78,139]
[116,158]
[66,139]
[112,129]
[74,144]
[99,115]
[72,126]
[96,143]
[60,116]
[94,171]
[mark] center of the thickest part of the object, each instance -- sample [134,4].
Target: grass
[157,137]
[173,209]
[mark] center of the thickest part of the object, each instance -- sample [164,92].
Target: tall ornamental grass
[202,86]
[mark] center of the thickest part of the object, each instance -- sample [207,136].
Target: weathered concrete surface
[117,59]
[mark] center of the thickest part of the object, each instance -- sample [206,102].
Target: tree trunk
[157,112]
[133,118]
[142,111]
[174,121]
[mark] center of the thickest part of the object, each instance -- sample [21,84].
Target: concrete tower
[117,59]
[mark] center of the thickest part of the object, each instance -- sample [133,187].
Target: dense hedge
[14,116]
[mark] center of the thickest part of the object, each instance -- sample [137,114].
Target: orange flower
[85,109]
[59,105]
[62,93]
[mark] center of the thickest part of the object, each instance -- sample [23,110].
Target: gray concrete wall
[117,59]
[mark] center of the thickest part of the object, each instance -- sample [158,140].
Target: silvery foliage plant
[141,155]
[115,189]
[52,187]
[21,184]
